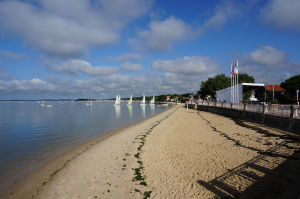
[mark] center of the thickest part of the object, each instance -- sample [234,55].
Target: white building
[225,94]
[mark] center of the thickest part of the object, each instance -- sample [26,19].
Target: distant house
[274,87]
[168,98]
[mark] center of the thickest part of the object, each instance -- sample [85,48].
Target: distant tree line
[291,85]
[220,81]
[159,98]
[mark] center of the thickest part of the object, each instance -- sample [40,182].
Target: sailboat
[89,103]
[130,100]
[118,100]
[152,100]
[143,102]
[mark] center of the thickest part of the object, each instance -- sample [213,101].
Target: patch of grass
[138,175]
[147,194]
[127,154]
[137,155]
[136,190]
[143,183]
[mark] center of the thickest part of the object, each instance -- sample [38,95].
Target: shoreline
[45,172]
[179,153]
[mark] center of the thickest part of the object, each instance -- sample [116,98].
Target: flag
[234,68]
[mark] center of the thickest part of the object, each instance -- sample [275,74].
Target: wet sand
[176,154]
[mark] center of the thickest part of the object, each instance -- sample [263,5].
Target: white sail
[152,100]
[143,102]
[130,100]
[118,100]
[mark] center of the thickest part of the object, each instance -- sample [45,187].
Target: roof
[277,87]
[252,84]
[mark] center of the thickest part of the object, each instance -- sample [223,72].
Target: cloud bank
[268,65]
[82,67]
[282,14]
[68,28]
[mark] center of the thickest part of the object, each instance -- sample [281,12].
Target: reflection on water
[152,108]
[117,111]
[30,133]
[129,110]
[143,107]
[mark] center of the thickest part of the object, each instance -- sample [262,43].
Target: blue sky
[99,48]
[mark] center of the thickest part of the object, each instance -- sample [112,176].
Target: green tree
[245,78]
[291,84]
[213,84]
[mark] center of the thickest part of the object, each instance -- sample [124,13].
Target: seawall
[284,123]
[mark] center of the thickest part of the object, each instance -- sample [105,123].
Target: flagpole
[231,81]
[233,88]
[237,88]
[237,64]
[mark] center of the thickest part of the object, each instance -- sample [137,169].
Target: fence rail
[281,110]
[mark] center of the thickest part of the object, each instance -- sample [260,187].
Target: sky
[68,49]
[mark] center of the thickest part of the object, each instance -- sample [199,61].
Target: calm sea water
[31,134]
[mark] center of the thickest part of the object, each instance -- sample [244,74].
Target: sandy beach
[178,153]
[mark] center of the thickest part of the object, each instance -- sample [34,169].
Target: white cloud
[162,34]
[187,65]
[129,56]
[282,14]
[268,65]
[68,27]
[223,13]
[11,55]
[35,84]
[102,86]
[267,55]
[78,67]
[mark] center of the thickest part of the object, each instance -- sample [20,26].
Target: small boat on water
[45,105]
[152,100]
[89,103]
